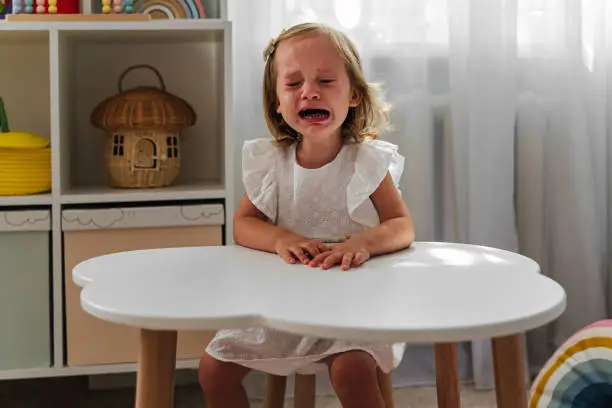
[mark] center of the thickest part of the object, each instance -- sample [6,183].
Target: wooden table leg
[509,368]
[156,367]
[305,391]
[447,375]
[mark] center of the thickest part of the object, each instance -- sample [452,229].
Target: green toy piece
[4,126]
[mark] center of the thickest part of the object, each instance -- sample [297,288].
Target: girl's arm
[396,229]
[395,232]
[254,230]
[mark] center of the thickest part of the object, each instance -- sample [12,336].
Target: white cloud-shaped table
[431,293]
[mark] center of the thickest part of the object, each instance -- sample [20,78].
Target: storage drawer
[25,339]
[90,233]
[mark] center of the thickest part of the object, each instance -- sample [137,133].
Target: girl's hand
[293,248]
[349,254]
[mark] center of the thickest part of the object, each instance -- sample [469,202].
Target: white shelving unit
[53,74]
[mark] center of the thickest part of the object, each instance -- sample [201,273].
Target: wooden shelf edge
[76,17]
[26,200]
[105,24]
[100,195]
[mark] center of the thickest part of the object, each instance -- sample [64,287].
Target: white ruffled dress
[328,203]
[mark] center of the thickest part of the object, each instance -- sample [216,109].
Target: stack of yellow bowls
[25,161]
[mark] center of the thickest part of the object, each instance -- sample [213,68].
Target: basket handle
[161,80]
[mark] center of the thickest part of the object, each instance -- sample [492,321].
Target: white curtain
[501,109]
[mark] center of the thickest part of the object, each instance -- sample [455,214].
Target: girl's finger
[333,259]
[317,260]
[322,247]
[312,249]
[359,259]
[347,259]
[287,256]
[299,254]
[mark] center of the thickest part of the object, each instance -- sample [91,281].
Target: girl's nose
[310,90]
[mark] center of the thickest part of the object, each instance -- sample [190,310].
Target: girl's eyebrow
[290,74]
[296,73]
[326,71]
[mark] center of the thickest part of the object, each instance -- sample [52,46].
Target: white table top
[432,292]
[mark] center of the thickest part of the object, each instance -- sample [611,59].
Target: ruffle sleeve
[260,159]
[373,160]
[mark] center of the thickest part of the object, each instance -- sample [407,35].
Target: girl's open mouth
[314,115]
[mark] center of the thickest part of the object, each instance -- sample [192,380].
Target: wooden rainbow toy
[157,9]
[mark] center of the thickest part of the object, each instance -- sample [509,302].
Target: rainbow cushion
[579,373]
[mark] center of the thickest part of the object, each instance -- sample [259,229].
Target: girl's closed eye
[327,80]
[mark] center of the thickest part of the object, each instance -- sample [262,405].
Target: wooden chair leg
[386,388]
[275,391]
[447,375]
[305,391]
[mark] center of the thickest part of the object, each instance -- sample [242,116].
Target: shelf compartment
[192,64]
[25,55]
[89,233]
[25,312]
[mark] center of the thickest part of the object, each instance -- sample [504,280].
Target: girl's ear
[278,108]
[355,98]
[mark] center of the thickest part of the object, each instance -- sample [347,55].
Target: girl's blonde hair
[363,122]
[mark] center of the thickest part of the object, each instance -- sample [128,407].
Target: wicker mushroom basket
[143,128]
